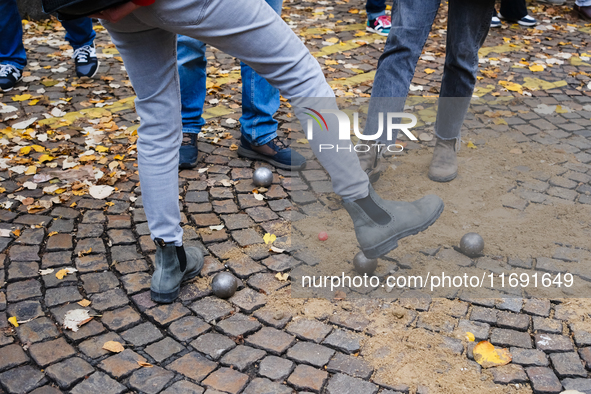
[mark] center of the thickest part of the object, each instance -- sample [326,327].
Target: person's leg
[192,65]
[13,57]
[467,29]
[411,24]
[260,101]
[149,55]
[80,35]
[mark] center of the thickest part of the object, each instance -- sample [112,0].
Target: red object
[323,236]
[143,3]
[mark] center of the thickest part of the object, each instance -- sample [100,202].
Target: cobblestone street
[74,235]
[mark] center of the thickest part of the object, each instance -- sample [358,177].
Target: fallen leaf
[302,141]
[21,97]
[12,320]
[536,68]
[470,337]
[217,228]
[46,271]
[276,250]
[63,272]
[488,356]
[143,364]
[101,149]
[233,147]
[84,252]
[471,145]
[100,191]
[113,346]
[429,71]
[84,302]
[269,238]
[258,196]
[282,277]
[75,318]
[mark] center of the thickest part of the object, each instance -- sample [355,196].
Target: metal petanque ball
[262,177]
[472,244]
[363,265]
[224,285]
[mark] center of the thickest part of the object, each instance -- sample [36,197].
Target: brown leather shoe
[584,12]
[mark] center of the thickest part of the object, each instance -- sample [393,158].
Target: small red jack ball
[323,236]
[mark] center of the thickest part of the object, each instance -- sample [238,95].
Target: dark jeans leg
[513,9]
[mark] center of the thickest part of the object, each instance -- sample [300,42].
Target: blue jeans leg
[260,101]
[79,32]
[192,65]
[375,8]
[12,50]
[468,23]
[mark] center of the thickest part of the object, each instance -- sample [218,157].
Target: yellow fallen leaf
[113,346]
[330,62]
[302,141]
[33,102]
[511,86]
[21,97]
[233,147]
[471,145]
[118,157]
[24,150]
[145,365]
[353,11]
[61,273]
[38,148]
[282,277]
[84,252]
[470,337]
[332,40]
[31,170]
[429,71]
[12,320]
[51,234]
[488,356]
[269,238]
[560,110]
[536,68]
[84,303]
[44,158]
[360,34]
[101,149]
[16,232]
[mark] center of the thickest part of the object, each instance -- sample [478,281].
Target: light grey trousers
[247,29]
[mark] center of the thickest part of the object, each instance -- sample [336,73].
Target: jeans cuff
[191,130]
[20,66]
[260,141]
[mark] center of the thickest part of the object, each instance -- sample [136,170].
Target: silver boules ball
[363,265]
[262,177]
[471,244]
[224,285]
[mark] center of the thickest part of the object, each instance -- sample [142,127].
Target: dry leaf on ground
[75,318]
[113,346]
[488,356]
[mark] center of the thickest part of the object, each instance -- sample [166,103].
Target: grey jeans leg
[146,40]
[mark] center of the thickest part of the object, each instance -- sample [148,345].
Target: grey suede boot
[371,161]
[379,224]
[173,265]
[444,164]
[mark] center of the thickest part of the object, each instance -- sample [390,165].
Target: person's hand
[115,14]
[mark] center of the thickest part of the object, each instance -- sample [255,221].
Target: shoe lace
[82,54]
[384,20]
[7,69]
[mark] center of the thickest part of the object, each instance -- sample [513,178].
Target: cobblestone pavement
[84,136]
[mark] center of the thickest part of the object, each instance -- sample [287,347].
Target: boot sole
[257,156]
[167,298]
[392,243]
[443,179]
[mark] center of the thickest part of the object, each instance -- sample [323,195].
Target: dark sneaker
[9,76]
[275,152]
[188,151]
[381,25]
[87,63]
[172,266]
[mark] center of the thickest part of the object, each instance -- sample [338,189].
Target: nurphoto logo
[344,132]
